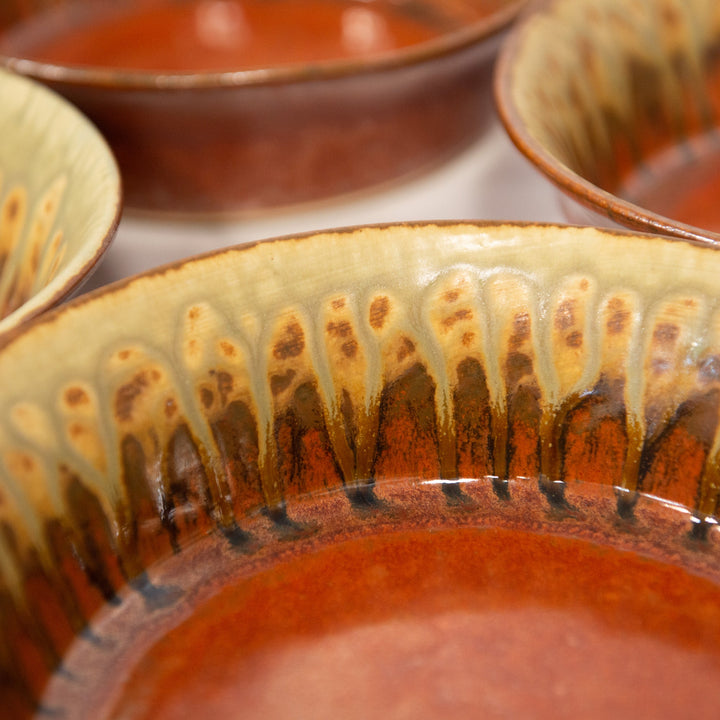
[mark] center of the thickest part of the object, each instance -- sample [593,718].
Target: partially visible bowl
[60,199]
[414,471]
[230,107]
[618,103]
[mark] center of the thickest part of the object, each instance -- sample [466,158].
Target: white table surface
[490,180]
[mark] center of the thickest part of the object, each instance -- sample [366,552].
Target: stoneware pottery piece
[618,103]
[389,472]
[59,198]
[218,107]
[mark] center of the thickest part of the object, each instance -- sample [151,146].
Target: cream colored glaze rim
[281,272]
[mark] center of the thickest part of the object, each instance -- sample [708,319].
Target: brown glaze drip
[235,433]
[691,431]
[22,678]
[523,402]
[89,540]
[593,436]
[141,540]
[407,418]
[305,454]
[187,502]
[473,421]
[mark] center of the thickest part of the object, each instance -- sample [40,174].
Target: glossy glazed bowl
[224,108]
[405,471]
[383,472]
[618,103]
[60,199]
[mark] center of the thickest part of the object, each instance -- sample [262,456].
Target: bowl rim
[156,273]
[620,211]
[446,44]
[91,251]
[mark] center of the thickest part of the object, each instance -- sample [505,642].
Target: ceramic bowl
[403,471]
[59,199]
[248,107]
[618,103]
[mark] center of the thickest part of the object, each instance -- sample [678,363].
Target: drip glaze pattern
[191,399]
[36,244]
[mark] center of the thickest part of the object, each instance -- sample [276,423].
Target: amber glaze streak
[223,34]
[417,610]
[682,183]
[38,256]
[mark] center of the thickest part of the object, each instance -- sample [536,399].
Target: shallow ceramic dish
[410,471]
[618,103]
[215,107]
[59,199]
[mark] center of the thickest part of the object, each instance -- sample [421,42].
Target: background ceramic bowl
[358,471]
[618,103]
[59,199]
[237,113]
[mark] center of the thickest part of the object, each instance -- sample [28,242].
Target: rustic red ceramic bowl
[217,107]
[59,199]
[413,471]
[618,103]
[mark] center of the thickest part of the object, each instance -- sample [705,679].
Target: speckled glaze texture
[592,90]
[376,367]
[59,199]
[234,142]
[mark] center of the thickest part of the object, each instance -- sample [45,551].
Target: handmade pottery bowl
[618,103]
[214,107]
[409,471]
[59,199]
